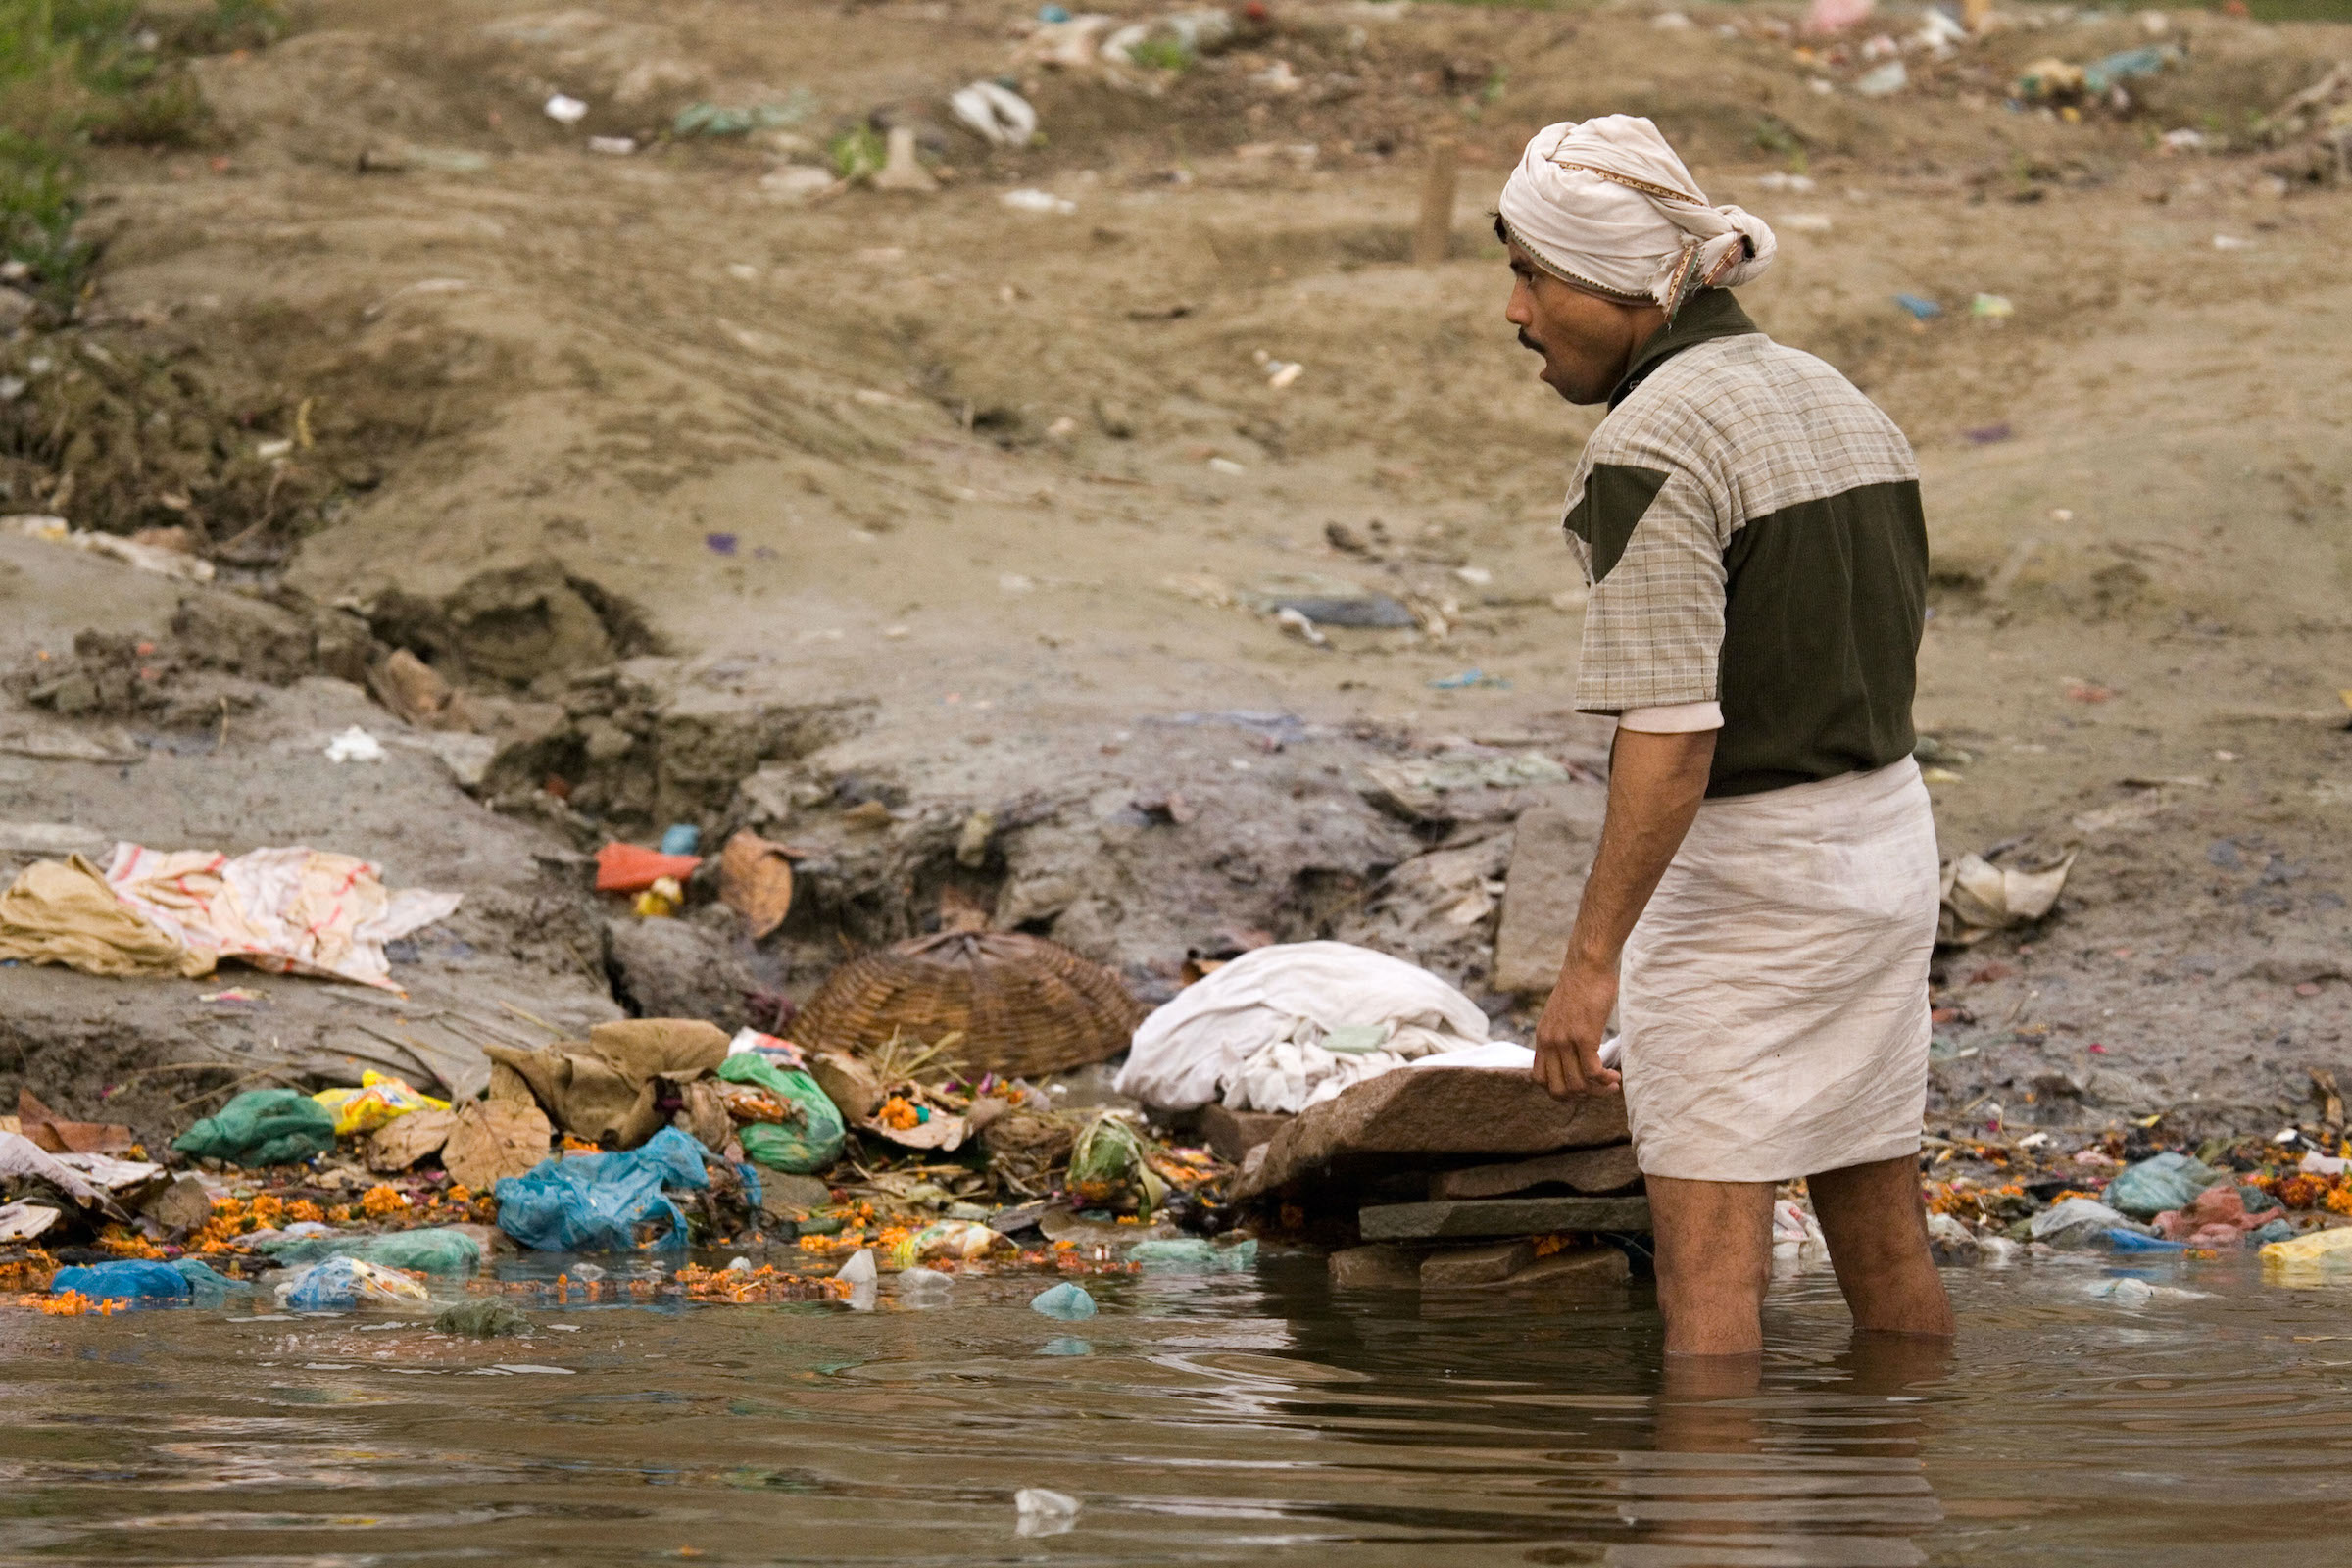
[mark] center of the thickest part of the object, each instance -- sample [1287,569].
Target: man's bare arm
[1656,785]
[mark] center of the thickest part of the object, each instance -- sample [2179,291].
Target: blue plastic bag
[125,1280]
[2123,1241]
[595,1202]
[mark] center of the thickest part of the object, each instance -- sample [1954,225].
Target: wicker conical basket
[1025,1005]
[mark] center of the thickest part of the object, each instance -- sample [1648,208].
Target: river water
[1200,1420]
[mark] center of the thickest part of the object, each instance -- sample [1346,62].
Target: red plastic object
[632,868]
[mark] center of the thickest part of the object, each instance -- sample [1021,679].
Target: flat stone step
[1398,1119]
[1503,1216]
[1591,1171]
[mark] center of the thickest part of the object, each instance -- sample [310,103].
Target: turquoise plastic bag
[811,1144]
[434,1251]
[599,1202]
[125,1280]
[2168,1181]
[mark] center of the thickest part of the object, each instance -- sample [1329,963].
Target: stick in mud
[1433,234]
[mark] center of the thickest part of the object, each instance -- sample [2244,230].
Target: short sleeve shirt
[1750,525]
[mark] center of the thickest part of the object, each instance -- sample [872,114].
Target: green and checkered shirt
[1751,525]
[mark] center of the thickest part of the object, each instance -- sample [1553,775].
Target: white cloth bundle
[1606,205]
[1289,1026]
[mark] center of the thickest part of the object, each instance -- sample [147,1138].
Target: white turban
[1607,206]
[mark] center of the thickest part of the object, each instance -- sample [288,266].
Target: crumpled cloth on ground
[607,1090]
[62,911]
[291,911]
[2216,1217]
[1284,1027]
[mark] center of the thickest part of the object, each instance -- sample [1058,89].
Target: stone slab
[1376,1269]
[1550,852]
[1574,1267]
[1490,1264]
[1589,1171]
[1503,1216]
[1232,1133]
[1421,1111]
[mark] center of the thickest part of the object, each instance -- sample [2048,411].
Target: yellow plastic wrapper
[379,1098]
[963,1240]
[2310,1252]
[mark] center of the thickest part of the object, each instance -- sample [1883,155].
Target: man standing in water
[1762,906]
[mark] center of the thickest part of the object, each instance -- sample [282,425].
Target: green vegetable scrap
[1109,1165]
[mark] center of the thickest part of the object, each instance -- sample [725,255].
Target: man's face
[1585,341]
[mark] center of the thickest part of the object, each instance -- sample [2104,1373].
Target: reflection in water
[1199,1421]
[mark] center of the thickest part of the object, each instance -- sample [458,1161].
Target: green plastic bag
[434,1251]
[809,1144]
[262,1127]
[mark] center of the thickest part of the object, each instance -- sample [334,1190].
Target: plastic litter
[996,113]
[681,838]
[811,1143]
[860,1269]
[600,1203]
[1921,309]
[1991,308]
[1066,1302]
[342,1283]
[1044,1512]
[2168,1181]
[2123,1241]
[1194,1254]
[565,111]
[1038,201]
[924,1283]
[261,1127]
[633,868]
[431,1251]
[355,744]
[957,1239]
[2319,1250]
[379,1098]
[1883,82]
[125,1280]
[2078,1222]
[481,1320]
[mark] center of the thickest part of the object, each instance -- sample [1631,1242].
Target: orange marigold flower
[381,1201]
[302,1209]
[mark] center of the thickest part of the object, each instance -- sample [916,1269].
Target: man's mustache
[1527,342]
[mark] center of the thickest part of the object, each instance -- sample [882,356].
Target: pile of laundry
[290,911]
[1289,1026]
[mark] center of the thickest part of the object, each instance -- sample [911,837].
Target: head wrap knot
[1607,206]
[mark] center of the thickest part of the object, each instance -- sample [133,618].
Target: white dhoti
[1774,995]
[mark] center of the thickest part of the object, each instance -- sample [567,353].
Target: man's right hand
[1568,1035]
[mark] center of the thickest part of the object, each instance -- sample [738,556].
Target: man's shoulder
[1727,403]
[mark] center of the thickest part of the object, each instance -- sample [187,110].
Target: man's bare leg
[1714,1261]
[1876,1228]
